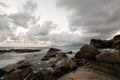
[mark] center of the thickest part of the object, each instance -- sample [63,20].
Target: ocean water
[35,57]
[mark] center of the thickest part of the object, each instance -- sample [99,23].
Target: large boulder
[112,56]
[52,52]
[87,52]
[63,64]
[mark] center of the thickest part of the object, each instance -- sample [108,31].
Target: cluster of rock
[89,63]
[112,43]
[20,50]
[95,64]
[61,63]
[21,71]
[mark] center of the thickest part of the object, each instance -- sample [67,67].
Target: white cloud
[87,19]
[23,18]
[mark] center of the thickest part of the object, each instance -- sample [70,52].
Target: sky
[40,23]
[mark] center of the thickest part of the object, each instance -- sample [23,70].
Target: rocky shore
[89,63]
[19,50]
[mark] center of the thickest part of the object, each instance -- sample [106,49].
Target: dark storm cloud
[24,17]
[100,18]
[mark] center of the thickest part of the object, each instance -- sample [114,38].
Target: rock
[15,75]
[87,52]
[62,66]
[70,52]
[25,50]
[61,55]
[116,42]
[112,43]
[20,65]
[112,56]
[117,37]
[80,62]
[90,71]
[97,43]
[51,53]
[23,64]
[18,74]
[2,72]
[116,45]
[36,76]
[20,50]
[101,43]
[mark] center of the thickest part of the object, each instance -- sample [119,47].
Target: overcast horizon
[40,23]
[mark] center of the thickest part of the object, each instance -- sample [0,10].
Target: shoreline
[56,64]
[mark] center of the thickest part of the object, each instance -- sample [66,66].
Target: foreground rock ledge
[90,72]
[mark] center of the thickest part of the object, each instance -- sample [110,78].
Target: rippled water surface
[11,58]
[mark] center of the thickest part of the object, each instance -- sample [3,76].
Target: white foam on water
[11,58]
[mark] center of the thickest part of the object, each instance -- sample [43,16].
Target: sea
[10,58]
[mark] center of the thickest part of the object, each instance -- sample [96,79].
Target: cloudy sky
[57,22]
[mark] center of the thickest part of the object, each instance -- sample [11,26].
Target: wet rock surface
[112,56]
[62,65]
[52,52]
[88,64]
[90,71]
[35,76]
[87,52]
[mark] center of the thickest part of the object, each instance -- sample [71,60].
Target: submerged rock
[87,52]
